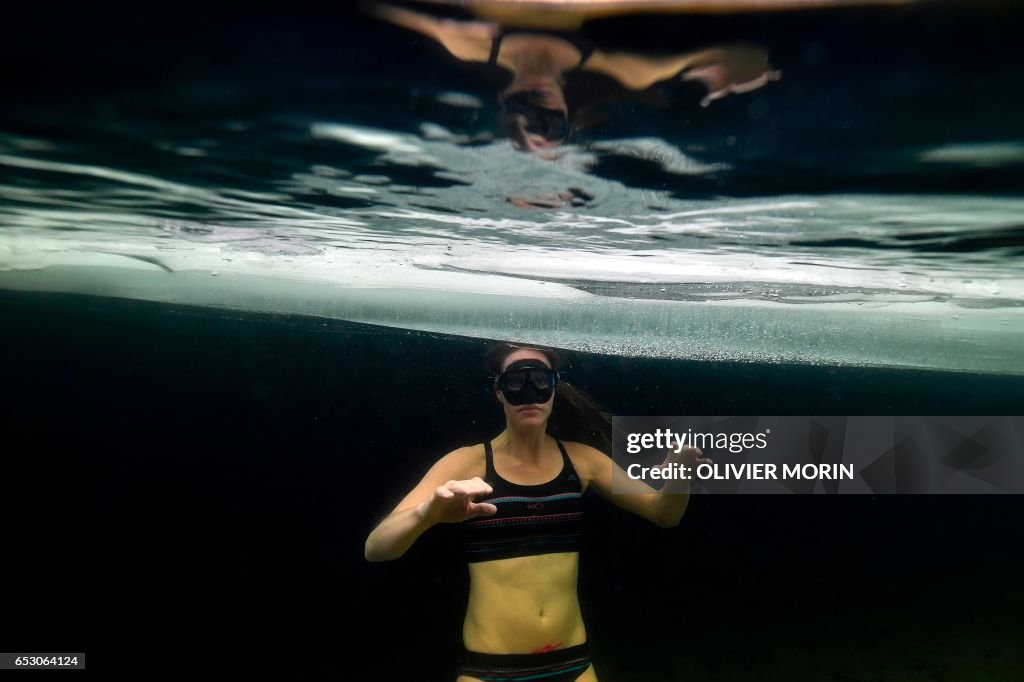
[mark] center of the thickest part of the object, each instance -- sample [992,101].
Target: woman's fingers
[686,451]
[468,488]
[483,488]
[473,486]
[731,69]
[453,501]
[482,509]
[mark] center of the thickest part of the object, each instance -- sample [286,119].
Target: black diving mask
[551,124]
[527,382]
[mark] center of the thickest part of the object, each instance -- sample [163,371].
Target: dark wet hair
[575,416]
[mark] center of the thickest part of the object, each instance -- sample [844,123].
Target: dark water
[189,488]
[186,487]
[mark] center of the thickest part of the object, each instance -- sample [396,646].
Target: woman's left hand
[689,457]
[731,69]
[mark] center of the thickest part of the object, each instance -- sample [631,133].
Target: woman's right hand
[453,502]
[730,69]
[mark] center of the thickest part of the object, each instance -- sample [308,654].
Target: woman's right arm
[443,496]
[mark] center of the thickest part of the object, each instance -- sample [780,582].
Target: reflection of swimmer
[536,113]
[516,499]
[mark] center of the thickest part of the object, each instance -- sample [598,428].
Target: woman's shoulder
[582,449]
[462,463]
[583,456]
[466,453]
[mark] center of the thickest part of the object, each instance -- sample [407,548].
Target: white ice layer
[366,287]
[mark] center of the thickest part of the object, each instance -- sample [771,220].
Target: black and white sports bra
[531,519]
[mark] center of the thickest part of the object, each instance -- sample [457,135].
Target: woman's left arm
[664,508]
[721,69]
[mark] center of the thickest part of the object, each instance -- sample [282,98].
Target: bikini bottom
[557,665]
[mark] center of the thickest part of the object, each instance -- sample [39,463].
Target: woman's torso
[523,561]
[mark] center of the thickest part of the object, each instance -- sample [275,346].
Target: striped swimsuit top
[531,519]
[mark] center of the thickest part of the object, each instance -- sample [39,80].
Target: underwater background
[192,487]
[250,262]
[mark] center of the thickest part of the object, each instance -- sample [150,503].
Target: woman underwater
[517,498]
[539,107]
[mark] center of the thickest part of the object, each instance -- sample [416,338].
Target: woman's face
[530,414]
